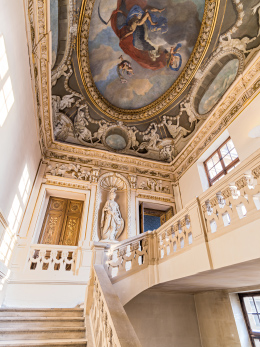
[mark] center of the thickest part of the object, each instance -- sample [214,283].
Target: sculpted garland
[166,148]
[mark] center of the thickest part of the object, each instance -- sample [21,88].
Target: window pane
[212,172]
[215,158]
[257,303]
[224,150]
[254,322]
[227,160]
[218,167]
[230,145]
[257,342]
[234,154]
[210,164]
[249,303]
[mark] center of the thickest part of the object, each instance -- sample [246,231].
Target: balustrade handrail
[50,247]
[130,240]
[109,322]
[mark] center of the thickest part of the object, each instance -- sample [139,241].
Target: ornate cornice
[61,182]
[197,56]
[244,90]
[155,197]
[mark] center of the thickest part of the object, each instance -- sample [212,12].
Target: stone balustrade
[137,253]
[174,237]
[109,323]
[128,256]
[233,202]
[52,258]
[224,207]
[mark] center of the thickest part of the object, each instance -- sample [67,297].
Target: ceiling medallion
[116,138]
[144,34]
[212,82]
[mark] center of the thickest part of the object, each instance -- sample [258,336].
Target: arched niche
[214,80]
[123,198]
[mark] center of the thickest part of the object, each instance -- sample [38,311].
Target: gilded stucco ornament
[154,185]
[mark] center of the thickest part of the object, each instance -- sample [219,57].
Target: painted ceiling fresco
[140,77]
[138,48]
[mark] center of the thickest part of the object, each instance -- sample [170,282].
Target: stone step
[34,322]
[41,312]
[45,343]
[11,334]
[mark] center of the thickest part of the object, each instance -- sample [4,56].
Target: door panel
[52,225]
[62,222]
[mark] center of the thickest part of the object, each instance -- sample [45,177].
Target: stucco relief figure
[103,126]
[176,131]
[134,142]
[80,126]
[186,107]
[112,223]
[152,139]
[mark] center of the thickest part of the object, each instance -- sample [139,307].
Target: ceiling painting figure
[144,44]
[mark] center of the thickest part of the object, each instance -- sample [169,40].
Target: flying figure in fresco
[124,66]
[135,29]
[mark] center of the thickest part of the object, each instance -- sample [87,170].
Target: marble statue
[112,223]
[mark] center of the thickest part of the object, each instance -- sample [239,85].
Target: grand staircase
[42,327]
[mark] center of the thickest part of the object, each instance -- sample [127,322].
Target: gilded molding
[155,197]
[197,56]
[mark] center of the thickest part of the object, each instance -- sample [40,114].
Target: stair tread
[39,329]
[61,342]
[35,319]
[11,309]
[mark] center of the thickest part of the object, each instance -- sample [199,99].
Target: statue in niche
[112,223]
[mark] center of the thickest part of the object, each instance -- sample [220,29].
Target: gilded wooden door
[62,222]
[71,225]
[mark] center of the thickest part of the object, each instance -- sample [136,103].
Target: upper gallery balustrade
[232,202]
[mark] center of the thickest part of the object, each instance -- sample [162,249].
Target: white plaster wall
[164,319]
[18,136]
[242,125]
[190,182]
[45,295]
[216,320]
